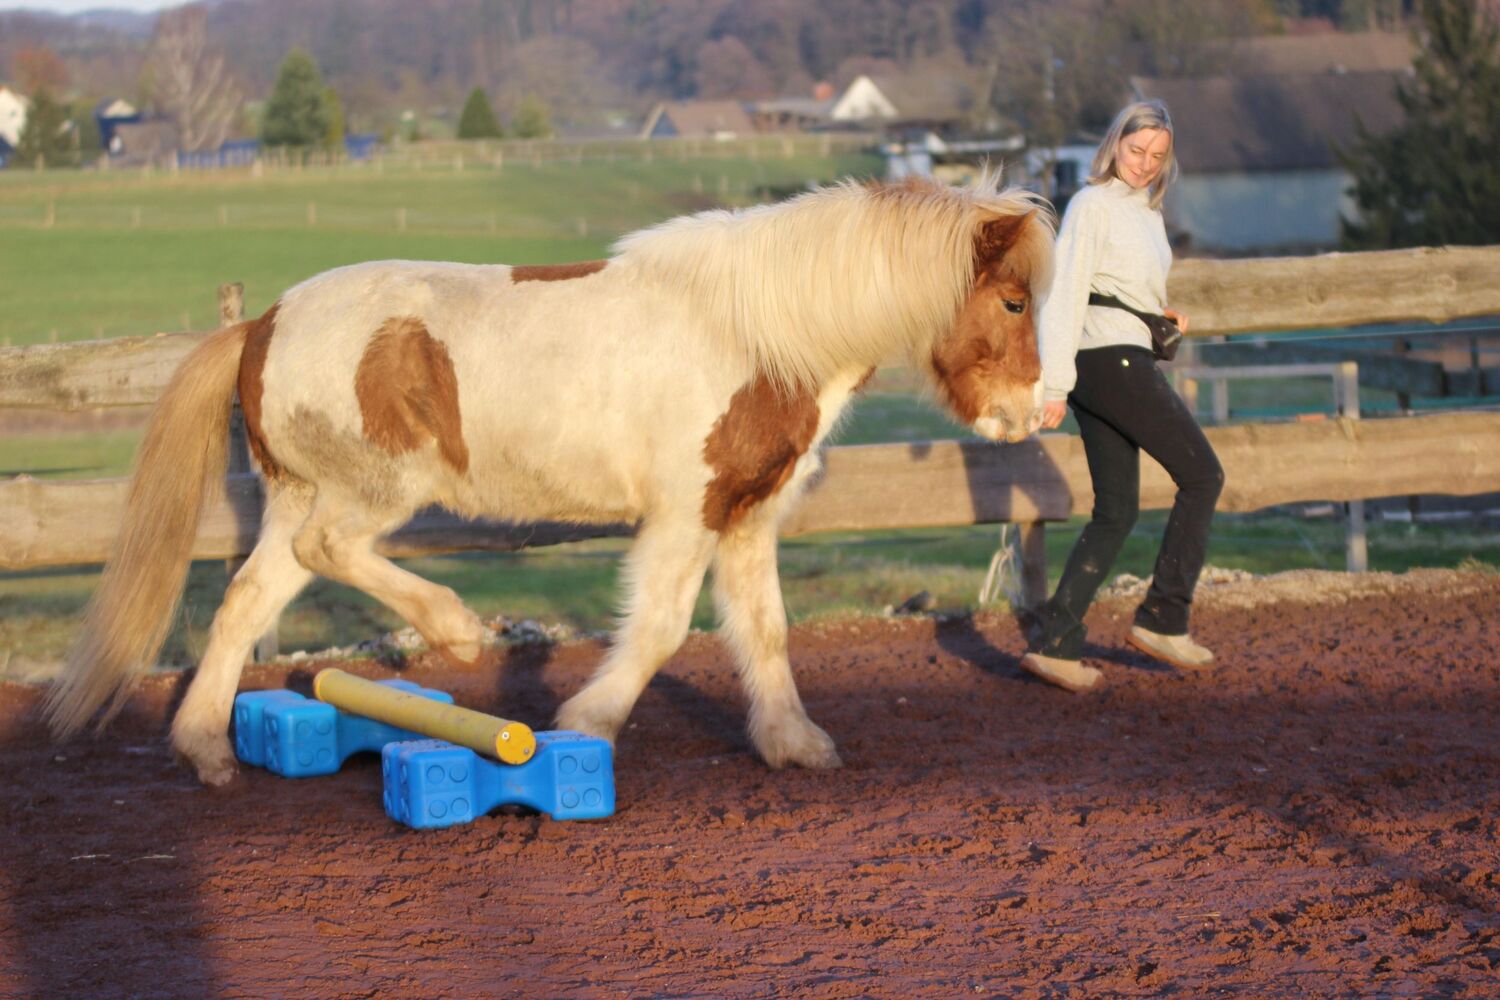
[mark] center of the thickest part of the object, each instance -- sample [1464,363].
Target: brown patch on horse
[556,272]
[753,448]
[252,386]
[994,334]
[408,392]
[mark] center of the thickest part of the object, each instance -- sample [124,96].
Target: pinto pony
[683,384]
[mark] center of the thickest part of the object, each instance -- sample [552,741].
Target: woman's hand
[1053,412]
[1176,317]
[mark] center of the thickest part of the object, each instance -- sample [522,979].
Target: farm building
[13,108]
[697,120]
[112,113]
[1259,154]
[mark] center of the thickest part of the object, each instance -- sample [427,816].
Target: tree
[46,140]
[189,81]
[477,120]
[1435,179]
[727,68]
[532,120]
[37,67]
[297,113]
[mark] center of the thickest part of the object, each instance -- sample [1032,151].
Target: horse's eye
[1015,305]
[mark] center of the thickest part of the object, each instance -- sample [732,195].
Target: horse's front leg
[747,591]
[663,574]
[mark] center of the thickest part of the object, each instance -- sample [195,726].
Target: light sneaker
[1068,674]
[1179,650]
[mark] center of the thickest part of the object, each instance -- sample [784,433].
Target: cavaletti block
[430,783]
[299,737]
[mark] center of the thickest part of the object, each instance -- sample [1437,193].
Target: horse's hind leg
[338,541]
[264,585]
[747,591]
[663,574]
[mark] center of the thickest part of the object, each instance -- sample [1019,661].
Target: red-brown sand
[1317,817]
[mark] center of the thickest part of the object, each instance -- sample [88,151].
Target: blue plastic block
[430,783]
[298,737]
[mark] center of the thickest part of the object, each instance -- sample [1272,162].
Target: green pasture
[90,255]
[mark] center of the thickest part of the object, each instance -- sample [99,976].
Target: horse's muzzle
[1015,422]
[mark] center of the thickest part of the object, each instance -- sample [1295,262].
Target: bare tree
[189,80]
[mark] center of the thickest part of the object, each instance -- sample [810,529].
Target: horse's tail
[180,465]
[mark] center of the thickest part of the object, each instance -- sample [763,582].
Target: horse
[684,384]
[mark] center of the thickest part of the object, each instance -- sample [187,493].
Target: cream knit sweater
[1111,241]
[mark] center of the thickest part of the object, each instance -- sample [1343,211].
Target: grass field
[89,255]
[137,254]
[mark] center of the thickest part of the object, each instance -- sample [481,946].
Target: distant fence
[457,155]
[933,484]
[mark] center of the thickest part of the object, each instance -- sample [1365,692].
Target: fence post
[1356,543]
[232,311]
[1033,541]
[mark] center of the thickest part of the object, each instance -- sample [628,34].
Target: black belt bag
[1164,332]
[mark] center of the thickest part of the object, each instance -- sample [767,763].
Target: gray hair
[1134,118]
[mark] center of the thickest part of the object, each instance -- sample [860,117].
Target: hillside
[600,61]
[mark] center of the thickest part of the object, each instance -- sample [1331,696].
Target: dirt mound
[1234,588]
[1315,817]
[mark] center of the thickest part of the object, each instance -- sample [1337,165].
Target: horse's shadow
[521,685]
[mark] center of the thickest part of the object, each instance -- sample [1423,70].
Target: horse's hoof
[211,757]
[796,746]
[464,656]
[580,719]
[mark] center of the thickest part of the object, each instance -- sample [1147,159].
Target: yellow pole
[511,742]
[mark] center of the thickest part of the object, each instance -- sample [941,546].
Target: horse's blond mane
[848,275]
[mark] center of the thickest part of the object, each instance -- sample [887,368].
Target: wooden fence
[931,484]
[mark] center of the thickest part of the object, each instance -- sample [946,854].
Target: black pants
[1124,404]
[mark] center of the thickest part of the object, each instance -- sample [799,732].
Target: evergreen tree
[1435,179]
[297,113]
[477,120]
[46,139]
[532,120]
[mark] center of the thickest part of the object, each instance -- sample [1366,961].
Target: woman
[1099,360]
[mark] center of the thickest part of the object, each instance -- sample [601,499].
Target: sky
[74,6]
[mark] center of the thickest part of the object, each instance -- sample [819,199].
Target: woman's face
[1141,155]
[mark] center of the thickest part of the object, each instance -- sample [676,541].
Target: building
[1330,52]
[152,142]
[1259,154]
[13,111]
[111,114]
[862,101]
[698,120]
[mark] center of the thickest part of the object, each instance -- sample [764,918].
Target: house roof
[115,107]
[806,107]
[1334,52]
[148,139]
[1288,122]
[931,94]
[701,118]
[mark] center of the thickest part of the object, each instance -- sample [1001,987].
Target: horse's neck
[834,398]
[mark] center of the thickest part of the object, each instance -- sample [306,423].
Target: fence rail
[939,483]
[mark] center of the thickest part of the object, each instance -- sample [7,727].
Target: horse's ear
[997,236]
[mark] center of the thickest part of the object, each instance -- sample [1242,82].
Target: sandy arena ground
[1317,817]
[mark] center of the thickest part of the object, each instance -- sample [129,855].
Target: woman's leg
[1114,467]
[1128,392]
[1183,450]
